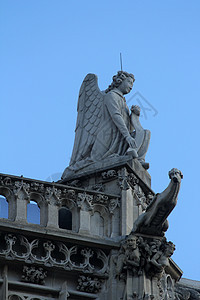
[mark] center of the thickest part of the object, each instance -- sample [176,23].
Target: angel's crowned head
[123,81]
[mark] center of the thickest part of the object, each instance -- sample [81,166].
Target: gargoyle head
[175,175]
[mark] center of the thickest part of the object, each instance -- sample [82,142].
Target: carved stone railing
[50,197]
[53,254]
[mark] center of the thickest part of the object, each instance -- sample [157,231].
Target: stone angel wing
[89,117]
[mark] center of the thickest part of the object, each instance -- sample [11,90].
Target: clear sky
[46,49]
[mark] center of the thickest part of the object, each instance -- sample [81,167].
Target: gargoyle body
[154,220]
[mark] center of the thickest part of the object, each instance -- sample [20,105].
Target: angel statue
[105,127]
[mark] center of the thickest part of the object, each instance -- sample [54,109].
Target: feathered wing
[89,117]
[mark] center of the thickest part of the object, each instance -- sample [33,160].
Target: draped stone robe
[115,127]
[111,137]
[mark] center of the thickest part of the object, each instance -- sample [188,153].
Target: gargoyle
[154,220]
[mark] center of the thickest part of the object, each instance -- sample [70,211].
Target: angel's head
[122,81]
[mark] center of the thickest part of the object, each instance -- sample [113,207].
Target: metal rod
[121,60]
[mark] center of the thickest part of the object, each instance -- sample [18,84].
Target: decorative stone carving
[34,275]
[109,204]
[87,253]
[84,199]
[52,195]
[38,187]
[185,293]
[87,201]
[21,189]
[141,198]
[105,128]
[127,181]
[89,284]
[41,252]
[129,256]
[141,255]
[100,199]
[55,195]
[182,294]
[109,174]
[70,193]
[166,287]
[6,181]
[159,259]
[99,187]
[10,242]
[132,180]
[154,220]
[19,185]
[149,198]
[113,203]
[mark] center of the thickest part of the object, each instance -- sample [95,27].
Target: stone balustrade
[85,207]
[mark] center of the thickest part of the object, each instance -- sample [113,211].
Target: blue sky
[46,49]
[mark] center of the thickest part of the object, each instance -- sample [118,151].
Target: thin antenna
[121,60]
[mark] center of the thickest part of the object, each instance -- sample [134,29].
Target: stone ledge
[56,184]
[174,270]
[133,166]
[189,283]
[64,235]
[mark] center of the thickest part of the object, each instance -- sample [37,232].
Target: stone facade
[94,257]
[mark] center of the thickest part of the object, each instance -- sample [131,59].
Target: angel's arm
[114,111]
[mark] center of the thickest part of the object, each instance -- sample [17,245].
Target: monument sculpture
[102,229]
[105,128]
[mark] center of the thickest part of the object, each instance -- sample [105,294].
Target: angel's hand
[135,109]
[131,142]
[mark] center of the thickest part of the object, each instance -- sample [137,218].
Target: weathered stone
[105,128]
[154,220]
